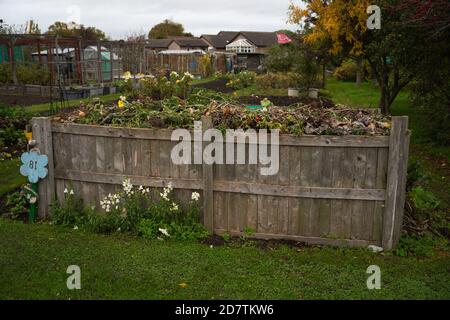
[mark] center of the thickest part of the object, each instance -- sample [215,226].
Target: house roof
[159,43]
[219,41]
[191,42]
[228,35]
[259,39]
[183,52]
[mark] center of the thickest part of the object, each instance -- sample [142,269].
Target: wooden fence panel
[347,190]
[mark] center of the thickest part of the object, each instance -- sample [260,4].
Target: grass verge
[34,260]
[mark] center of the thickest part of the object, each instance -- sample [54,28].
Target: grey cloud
[119,18]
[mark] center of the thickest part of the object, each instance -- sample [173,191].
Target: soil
[218,241]
[22,100]
[219,85]
[287,101]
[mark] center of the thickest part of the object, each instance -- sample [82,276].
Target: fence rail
[339,190]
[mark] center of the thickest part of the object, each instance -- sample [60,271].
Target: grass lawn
[10,177]
[366,95]
[202,80]
[34,259]
[254,90]
[45,107]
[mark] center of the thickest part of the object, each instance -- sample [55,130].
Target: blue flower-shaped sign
[33,166]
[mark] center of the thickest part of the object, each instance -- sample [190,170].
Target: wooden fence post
[42,133]
[208,193]
[396,182]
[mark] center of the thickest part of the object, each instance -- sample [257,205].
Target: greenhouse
[241,46]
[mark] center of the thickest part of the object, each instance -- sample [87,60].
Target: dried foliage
[298,119]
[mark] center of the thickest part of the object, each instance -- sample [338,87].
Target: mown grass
[255,90]
[366,95]
[36,109]
[34,260]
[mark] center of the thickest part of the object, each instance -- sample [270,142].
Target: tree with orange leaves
[341,23]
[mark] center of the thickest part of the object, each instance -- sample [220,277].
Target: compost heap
[297,119]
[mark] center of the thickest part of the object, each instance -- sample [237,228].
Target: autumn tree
[338,24]
[167,29]
[396,52]
[75,30]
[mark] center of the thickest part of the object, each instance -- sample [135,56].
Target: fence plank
[396,180]
[208,193]
[42,133]
[165,134]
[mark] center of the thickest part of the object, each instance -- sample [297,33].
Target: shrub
[11,137]
[281,58]
[123,86]
[206,65]
[423,199]
[17,204]
[241,80]
[5,73]
[27,73]
[163,87]
[346,71]
[278,80]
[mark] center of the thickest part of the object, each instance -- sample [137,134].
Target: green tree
[167,29]
[75,30]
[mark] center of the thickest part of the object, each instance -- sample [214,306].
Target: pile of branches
[298,119]
[301,119]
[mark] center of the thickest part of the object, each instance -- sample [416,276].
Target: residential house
[218,42]
[249,46]
[177,44]
[158,44]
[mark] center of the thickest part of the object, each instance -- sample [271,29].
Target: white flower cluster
[174,207]
[195,196]
[144,190]
[127,187]
[164,232]
[187,74]
[166,192]
[68,192]
[110,201]
[123,98]
[174,73]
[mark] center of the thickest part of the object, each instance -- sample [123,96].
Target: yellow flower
[121,104]
[28,135]
[183,285]
[127,75]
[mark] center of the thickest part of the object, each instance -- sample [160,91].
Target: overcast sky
[119,18]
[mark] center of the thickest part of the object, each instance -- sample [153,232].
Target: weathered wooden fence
[339,190]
